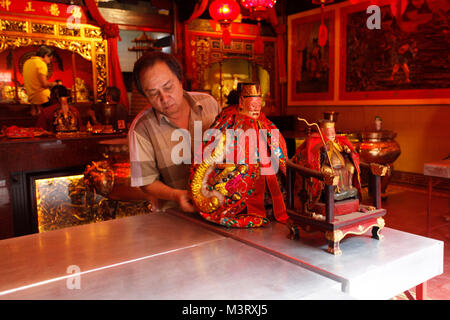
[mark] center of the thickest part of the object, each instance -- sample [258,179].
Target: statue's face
[250,106]
[330,133]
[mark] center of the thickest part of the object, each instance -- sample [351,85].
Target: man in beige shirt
[155,132]
[35,79]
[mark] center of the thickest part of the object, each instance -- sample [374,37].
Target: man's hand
[44,82]
[183,198]
[159,190]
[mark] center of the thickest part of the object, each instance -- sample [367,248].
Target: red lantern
[224,11]
[258,4]
[258,11]
[258,8]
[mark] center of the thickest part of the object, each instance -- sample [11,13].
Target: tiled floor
[407,211]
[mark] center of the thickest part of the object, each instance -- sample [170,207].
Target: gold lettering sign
[5,4]
[29,7]
[54,9]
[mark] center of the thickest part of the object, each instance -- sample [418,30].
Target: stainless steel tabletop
[154,256]
[222,269]
[37,257]
[367,268]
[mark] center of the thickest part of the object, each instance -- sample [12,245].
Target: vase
[379,147]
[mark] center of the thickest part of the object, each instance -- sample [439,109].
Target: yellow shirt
[31,68]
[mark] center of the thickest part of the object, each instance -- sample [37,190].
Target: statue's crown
[249,89]
[326,124]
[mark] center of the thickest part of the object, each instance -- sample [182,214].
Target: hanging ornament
[224,12]
[258,5]
[323,31]
[259,44]
[258,12]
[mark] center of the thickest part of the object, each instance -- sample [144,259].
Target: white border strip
[72,275]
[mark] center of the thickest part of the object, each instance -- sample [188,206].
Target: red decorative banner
[76,14]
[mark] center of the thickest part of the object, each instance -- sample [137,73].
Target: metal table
[368,268]
[154,256]
[440,169]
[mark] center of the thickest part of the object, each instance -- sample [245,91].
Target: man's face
[47,59]
[109,99]
[163,89]
[250,106]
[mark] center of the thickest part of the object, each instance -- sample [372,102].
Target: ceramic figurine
[228,187]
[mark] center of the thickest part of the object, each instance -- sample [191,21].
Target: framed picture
[311,66]
[406,58]
[236,46]
[215,44]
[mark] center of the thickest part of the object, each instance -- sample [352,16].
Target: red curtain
[199,8]
[111,32]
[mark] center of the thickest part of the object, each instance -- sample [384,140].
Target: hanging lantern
[224,12]
[323,32]
[258,11]
[258,6]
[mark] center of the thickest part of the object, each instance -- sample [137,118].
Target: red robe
[308,155]
[242,200]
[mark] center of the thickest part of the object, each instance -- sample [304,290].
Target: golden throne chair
[335,218]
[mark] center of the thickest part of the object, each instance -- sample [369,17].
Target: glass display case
[67,201]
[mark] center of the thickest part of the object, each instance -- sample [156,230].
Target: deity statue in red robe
[243,153]
[338,158]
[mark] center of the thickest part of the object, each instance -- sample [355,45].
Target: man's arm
[43,80]
[162,191]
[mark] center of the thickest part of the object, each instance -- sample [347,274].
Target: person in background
[60,116]
[158,76]
[37,86]
[233,98]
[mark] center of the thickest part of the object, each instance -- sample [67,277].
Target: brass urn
[379,147]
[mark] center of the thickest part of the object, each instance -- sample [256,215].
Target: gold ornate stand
[334,227]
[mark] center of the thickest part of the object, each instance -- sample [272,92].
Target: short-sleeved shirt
[153,154]
[31,69]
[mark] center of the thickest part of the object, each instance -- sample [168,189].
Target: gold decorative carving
[85,40]
[335,236]
[102,74]
[68,31]
[42,28]
[92,33]
[13,25]
[202,49]
[361,230]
